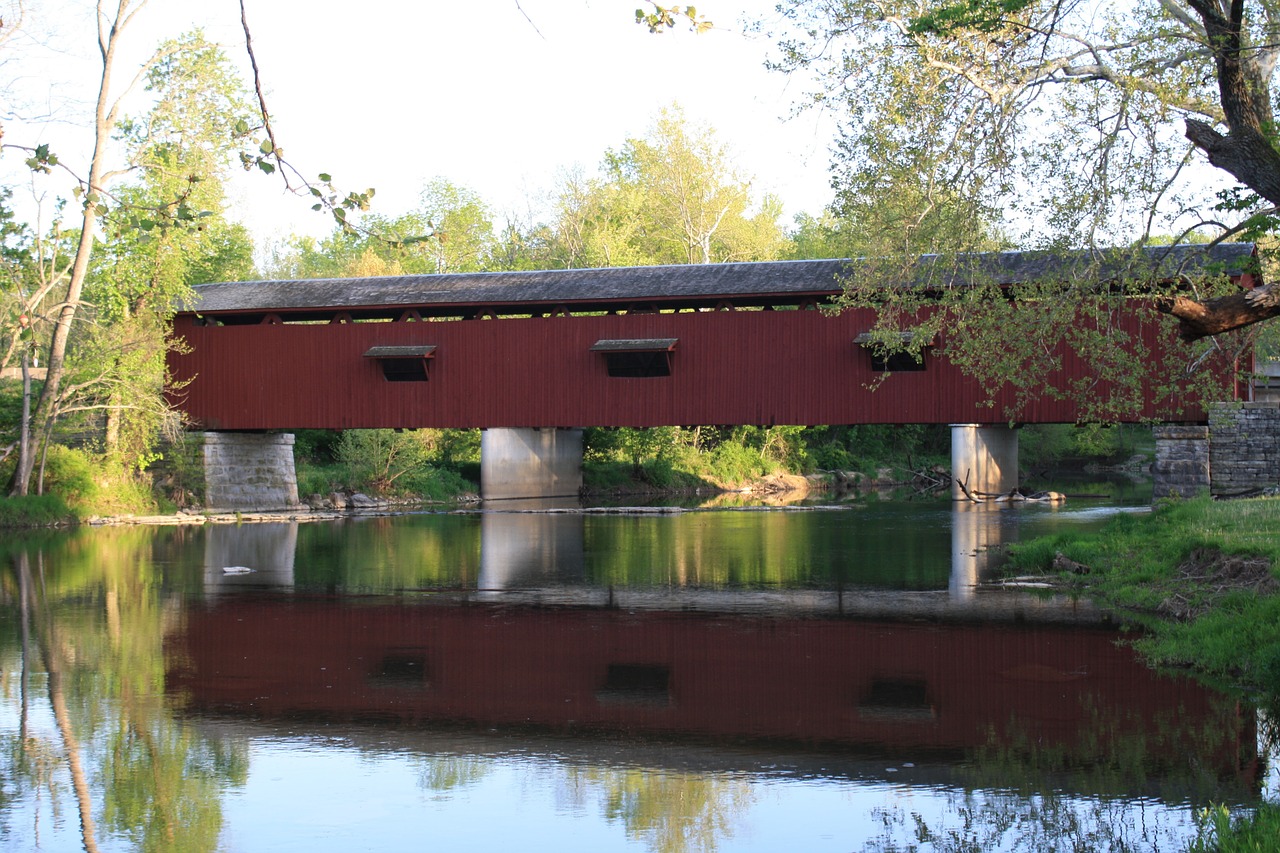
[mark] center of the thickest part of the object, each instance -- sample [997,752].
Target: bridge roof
[771,282]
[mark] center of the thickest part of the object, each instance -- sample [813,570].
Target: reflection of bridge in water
[534,647]
[539,557]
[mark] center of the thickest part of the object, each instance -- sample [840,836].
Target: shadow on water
[823,678]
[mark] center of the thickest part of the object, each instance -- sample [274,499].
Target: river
[827,677]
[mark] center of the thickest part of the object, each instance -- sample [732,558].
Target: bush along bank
[1199,578]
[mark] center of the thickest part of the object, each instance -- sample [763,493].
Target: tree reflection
[445,773]
[978,821]
[1116,755]
[1115,752]
[99,620]
[667,811]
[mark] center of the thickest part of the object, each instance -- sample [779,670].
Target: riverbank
[1199,578]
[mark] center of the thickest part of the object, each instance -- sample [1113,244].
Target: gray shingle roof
[704,283]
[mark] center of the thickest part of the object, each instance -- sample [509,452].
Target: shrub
[732,463]
[34,511]
[70,473]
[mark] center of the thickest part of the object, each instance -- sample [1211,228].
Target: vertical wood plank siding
[728,367]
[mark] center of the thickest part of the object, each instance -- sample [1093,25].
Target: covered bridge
[526,355]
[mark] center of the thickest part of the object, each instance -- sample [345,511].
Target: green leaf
[326,177]
[266,147]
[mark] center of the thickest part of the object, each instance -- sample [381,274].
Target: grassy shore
[1198,575]
[1199,578]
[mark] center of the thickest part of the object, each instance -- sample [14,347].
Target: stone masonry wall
[1182,461]
[249,471]
[1244,450]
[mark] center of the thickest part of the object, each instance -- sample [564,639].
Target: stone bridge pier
[249,471]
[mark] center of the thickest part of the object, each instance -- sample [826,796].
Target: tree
[92,194]
[1071,129]
[671,197]
[1063,116]
[164,233]
[450,231]
[461,227]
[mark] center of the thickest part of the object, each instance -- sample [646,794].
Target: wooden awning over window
[637,357]
[428,351]
[403,363]
[635,345]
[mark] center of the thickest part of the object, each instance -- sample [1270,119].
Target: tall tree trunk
[21,483]
[105,115]
[51,652]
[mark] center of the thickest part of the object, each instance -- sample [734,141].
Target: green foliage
[34,511]
[161,235]
[178,473]
[71,474]
[316,446]
[434,464]
[462,228]
[1222,831]
[665,17]
[1041,445]
[380,457]
[733,463]
[734,456]
[977,125]
[984,16]
[96,485]
[450,231]
[394,462]
[867,447]
[1232,635]
[670,197]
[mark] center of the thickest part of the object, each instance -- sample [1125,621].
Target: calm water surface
[832,678]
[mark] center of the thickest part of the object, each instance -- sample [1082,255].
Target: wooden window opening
[403,363]
[891,362]
[635,358]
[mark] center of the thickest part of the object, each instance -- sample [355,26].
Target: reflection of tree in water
[668,811]
[1118,759]
[97,621]
[979,821]
[1118,752]
[33,762]
[446,773]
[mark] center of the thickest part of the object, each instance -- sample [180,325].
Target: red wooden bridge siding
[1062,688]
[729,367]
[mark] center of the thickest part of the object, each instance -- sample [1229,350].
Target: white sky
[392,93]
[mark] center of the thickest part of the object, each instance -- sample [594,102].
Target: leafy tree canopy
[1068,124]
[1047,125]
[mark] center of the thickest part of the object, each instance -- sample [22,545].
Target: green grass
[1232,638]
[1221,832]
[35,511]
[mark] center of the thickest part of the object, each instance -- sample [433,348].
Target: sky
[498,96]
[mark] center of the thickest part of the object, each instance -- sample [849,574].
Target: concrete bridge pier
[530,463]
[984,457]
